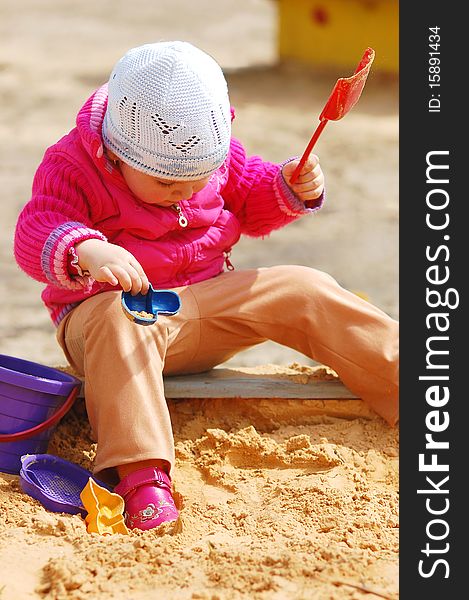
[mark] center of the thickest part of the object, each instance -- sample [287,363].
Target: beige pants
[299,307]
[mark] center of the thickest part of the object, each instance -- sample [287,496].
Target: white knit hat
[168,111]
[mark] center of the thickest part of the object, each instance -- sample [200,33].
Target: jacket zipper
[182,220]
[229,265]
[181,217]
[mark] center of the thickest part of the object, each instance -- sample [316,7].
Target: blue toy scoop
[145,308]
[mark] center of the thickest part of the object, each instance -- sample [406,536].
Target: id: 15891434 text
[434,69]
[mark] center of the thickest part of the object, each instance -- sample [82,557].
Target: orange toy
[105,510]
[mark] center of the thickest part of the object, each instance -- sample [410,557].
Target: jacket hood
[89,124]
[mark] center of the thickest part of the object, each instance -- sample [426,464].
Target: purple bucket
[33,398]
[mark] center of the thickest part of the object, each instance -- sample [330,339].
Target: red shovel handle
[307,152]
[22,435]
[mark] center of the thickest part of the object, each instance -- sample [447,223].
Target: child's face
[161,192]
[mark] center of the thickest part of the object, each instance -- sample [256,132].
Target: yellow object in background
[336,32]
[105,510]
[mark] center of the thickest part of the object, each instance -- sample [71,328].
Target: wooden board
[233,383]
[241,383]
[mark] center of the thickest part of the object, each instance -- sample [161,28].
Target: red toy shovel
[345,94]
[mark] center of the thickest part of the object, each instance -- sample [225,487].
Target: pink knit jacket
[78,194]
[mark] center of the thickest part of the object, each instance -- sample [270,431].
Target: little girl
[151,187]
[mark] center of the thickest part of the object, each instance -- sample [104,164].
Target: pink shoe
[148,498]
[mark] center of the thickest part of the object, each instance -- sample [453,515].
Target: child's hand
[310,183]
[112,264]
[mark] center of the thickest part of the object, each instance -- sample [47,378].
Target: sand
[280,500]
[275,503]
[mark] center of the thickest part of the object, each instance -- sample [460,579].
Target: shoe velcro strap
[141,477]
